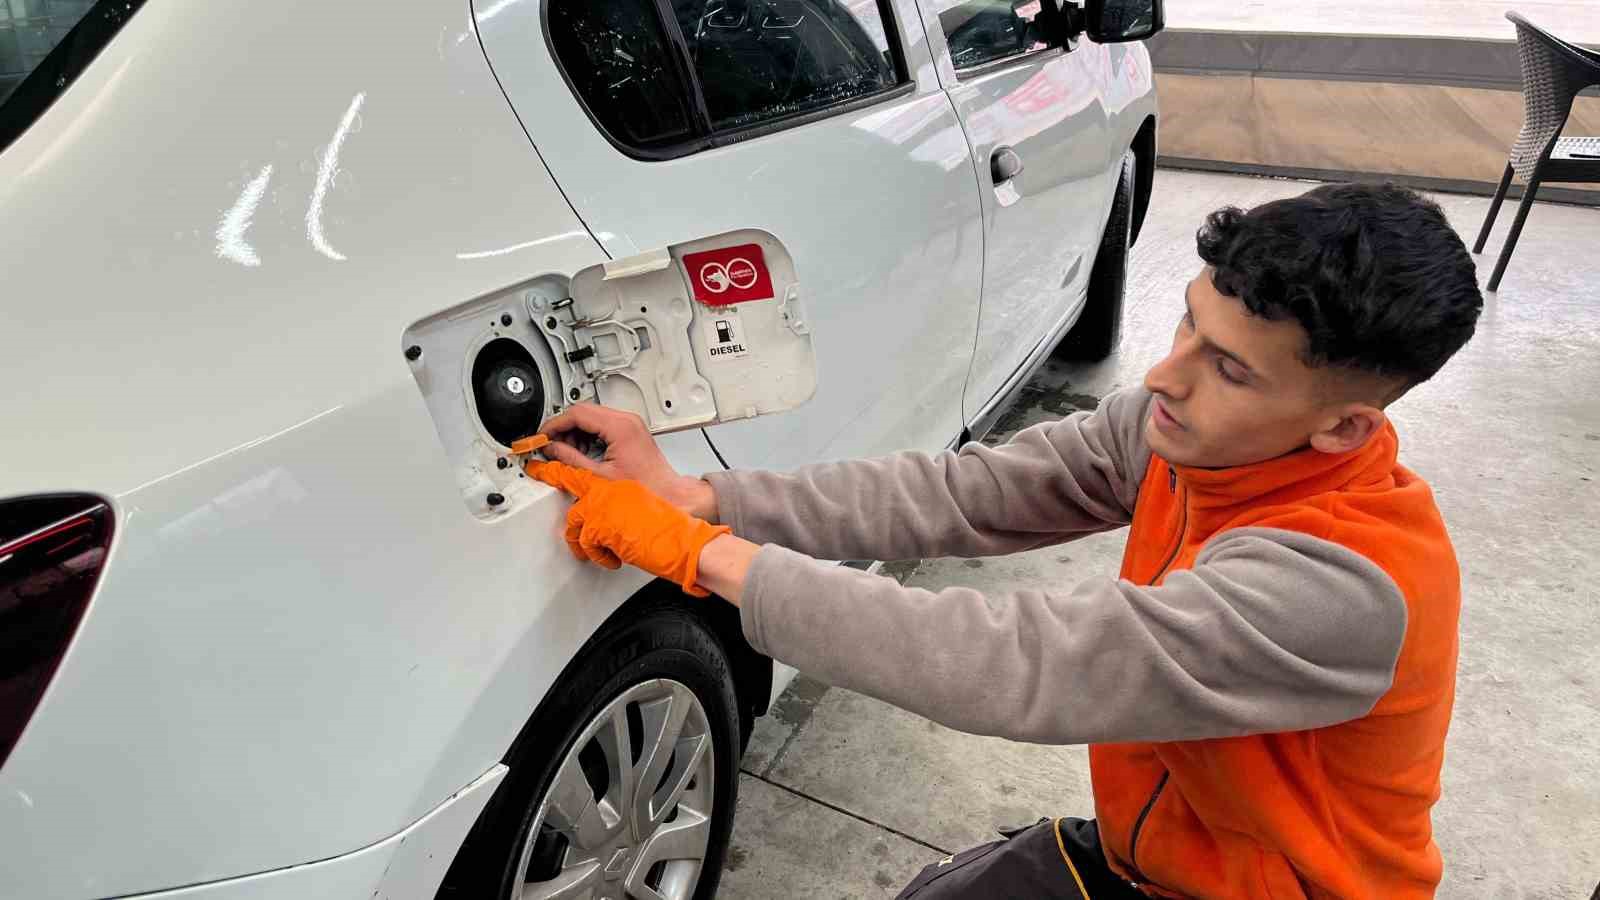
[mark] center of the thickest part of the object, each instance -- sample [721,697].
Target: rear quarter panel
[212,244]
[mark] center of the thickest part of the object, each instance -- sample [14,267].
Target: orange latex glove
[617,522]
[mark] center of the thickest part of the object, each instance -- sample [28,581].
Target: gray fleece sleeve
[1047,484]
[1270,631]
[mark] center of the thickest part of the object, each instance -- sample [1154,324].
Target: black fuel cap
[507,390]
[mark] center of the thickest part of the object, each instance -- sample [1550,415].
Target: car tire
[652,694]
[1099,328]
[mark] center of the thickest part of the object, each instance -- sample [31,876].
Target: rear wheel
[624,783]
[1099,328]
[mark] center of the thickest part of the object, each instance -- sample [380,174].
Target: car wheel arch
[752,671]
[1144,172]
[612,651]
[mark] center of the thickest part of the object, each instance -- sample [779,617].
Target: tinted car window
[982,31]
[29,30]
[616,54]
[44,44]
[763,59]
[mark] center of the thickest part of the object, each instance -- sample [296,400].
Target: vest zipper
[1138,826]
[1183,523]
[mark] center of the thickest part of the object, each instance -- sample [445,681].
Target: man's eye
[1225,370]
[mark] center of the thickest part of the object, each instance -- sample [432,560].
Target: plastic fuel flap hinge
[606,346]
[601,347]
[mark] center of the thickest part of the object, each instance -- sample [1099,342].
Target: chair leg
[1494,209]
[1516,232]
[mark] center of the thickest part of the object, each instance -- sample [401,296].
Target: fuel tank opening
[507,390]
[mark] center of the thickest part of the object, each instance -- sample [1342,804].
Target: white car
[282,282]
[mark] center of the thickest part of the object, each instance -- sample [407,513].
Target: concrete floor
[846,797]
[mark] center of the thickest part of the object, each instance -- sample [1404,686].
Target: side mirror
[1119,21]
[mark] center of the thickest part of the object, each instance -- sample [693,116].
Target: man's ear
[1356,423]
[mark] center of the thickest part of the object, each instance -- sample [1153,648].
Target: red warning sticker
[729,275]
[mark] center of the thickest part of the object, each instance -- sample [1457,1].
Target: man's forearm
[724,566]
[694,496]
[1270,631]
[1046,485]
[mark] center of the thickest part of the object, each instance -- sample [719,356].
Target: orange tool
[527,445]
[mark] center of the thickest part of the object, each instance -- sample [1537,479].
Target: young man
[1267,686]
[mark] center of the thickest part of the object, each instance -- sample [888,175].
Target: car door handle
[1004,165]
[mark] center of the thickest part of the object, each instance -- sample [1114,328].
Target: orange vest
[1341,811]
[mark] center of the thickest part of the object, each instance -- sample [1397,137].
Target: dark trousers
[1054,858]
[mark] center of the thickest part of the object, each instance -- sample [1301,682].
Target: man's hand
[631,455]
[617,522]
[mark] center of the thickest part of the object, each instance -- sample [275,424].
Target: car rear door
[811,120]
[1038,129]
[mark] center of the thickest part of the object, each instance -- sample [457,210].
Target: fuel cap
[507,390]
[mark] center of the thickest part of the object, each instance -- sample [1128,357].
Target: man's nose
[1166,378]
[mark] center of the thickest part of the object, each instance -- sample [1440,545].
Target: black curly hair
[1372,272]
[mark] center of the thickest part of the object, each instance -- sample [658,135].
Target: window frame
[709,137]
[989,67]
[1005,62]
[60,68]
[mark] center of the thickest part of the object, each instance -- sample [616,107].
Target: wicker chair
[1553,72]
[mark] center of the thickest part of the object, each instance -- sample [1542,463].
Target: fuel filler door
[707,331]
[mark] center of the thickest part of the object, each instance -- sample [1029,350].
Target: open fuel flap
[702,332]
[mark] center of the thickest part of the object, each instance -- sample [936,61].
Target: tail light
[52,549]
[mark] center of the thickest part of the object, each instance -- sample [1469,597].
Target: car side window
[671,84]
[615,53]
[983,31]
[44,44]
[764,59]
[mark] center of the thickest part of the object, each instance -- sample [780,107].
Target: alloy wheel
[628,814]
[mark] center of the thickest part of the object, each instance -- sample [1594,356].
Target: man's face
[1233,390]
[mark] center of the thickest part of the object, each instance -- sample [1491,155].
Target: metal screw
[550,322]
[496,498]
[413,353]
[502,463]
[505,319]
[574,393]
